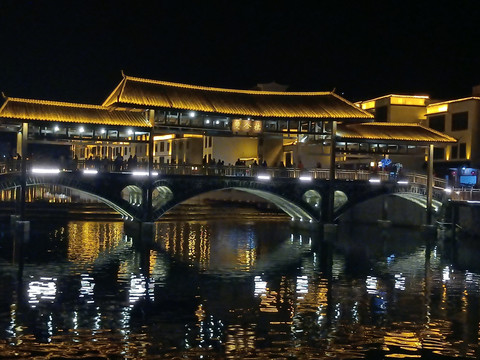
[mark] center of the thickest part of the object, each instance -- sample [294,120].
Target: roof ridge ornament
[123,73]
[4,96]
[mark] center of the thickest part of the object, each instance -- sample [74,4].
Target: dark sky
[75,50]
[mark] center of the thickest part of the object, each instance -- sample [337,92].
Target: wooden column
[430,184]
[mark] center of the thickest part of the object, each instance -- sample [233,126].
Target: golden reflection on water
[307,313]
[87,239]
[192,243]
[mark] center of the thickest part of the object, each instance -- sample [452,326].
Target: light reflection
[87,287]
[302,286]
[399,282]
[43,290]
[446,274]
[372,283]
[260,286]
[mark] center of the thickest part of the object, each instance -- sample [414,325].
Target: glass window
[437,122]
[454,152]
[438,153]
[162,146]
[460,121]
[462,151]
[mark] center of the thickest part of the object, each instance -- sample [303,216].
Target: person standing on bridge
[118,163]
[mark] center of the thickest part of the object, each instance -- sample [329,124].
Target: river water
[237,284]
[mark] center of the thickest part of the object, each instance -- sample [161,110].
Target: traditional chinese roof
[28,110]
[392,132]
[145,93]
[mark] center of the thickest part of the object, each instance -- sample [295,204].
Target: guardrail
[465,194]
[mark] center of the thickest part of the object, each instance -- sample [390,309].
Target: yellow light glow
[432,109]
[246,126]
[236,125]
[407,100]
[192,136]
[257,126]
[368,105]
[163,137]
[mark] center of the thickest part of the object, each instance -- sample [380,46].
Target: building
[397,108]
[458,118]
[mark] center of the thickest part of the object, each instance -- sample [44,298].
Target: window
[454,152]
[437,122]
[462,151]
[210,141]
[460,121]
[438,153]
[162,146]
[168,147]
[206,142]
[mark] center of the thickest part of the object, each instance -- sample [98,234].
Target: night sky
[75,50]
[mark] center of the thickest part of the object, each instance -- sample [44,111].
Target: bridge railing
[465,194]
[229,170]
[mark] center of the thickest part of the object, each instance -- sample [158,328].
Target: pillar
[151,115]
[384,220]
[330,227]
[23,176]
[331,179]
[429,185]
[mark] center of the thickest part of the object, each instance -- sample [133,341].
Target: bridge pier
[142,233]
[384,222]
[330,230]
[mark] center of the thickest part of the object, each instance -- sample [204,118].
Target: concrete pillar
[429,185]
[150,167]
[20,238]
[331,180]
[384,222]
[23,181]
[142,233]
[330,231]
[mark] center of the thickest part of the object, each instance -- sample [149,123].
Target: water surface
[241,285]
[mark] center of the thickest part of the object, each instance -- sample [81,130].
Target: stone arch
[133,194]
[161,195]
[339,199]
[295,211]
[314,199]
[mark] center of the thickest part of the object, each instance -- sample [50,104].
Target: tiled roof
[145,93]
[408,132]
[42,110]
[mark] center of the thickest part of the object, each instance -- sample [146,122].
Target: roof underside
[39,110]
[392,132]
[144,93]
